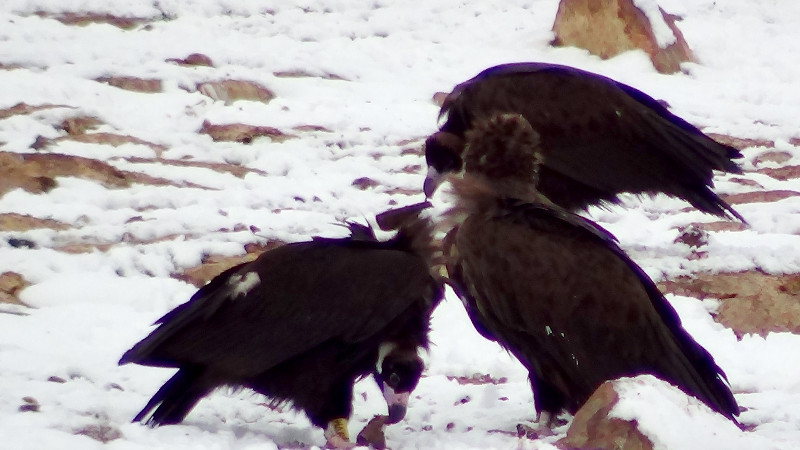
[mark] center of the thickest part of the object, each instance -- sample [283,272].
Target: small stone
[364,183]
[30,405]
[194,59]
[373,434]
[100,432]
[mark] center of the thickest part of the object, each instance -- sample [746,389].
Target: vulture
[599,137]
[300,324]
[554,288]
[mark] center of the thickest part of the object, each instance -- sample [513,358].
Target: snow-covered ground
[368,72]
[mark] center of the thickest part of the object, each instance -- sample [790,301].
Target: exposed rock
[29,404]
[113,140]
[304,74]
[692,235]
[75,126]
[20,243]
[240,132]
[88,18]
[76,131]
[229,91]
[609,27]
[751,302]
[233,169]
[194,59]
[778,157]
[24,108]
[213,265]
[741,143]
[759,196]
[132,83]
[781,173]
[36,172]
[719,225]
[365,183]
[100,432]
[592,428]
[24,222]
[11,283]
[40,142]
[312,128]
[746,182]
[478,378]
[372,435]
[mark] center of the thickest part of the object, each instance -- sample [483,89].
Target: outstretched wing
[599,137]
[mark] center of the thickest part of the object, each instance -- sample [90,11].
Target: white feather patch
[241,284]
[383,350]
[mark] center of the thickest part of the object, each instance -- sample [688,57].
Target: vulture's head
[505,146]
[443,154]
[397,373]
[501,147]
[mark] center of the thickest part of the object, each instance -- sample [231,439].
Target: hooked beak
[396,402]
[432,181]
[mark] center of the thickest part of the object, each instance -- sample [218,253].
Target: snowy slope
[359,102]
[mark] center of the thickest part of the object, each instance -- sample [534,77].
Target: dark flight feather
[599,137]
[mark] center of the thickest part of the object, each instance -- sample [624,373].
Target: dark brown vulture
[555,289]
[598,137]
[301,324]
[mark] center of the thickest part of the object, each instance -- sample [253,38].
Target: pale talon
[336,434]
[541,428]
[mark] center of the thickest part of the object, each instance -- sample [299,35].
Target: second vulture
[599,137]
[555,289]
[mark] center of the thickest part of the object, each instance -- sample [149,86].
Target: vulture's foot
[336,434]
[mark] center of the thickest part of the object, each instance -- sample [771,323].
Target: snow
[367,72]
[661,30]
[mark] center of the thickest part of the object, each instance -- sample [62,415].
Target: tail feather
[174,399]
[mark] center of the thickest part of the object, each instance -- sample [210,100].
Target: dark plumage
[598,137]
[301,324]
[555,289]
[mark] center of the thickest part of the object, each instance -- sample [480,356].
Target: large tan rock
[609,27]
[593,428]
[751,302]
